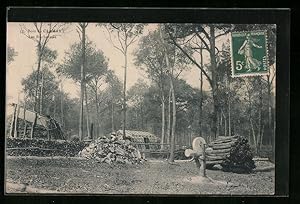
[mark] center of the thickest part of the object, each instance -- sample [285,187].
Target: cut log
[226,144]
[219,155]
[220,151]
[214,162]
[223,141]
[221,147]
[227,137]
[211,158]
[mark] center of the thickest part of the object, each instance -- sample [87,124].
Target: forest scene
[145,90]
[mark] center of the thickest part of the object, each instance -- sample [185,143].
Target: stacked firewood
[112,150]
[219,149]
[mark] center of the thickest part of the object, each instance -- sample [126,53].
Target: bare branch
[119,39]
[132,40]
[202,40]
[180,71]
[224,33]
[110,39]
[190,58]
[24,31]
[112,25]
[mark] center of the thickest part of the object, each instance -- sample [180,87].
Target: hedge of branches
[35,147]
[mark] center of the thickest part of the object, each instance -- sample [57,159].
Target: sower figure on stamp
[246,50]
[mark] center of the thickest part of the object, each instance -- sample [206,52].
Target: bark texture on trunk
[82,77]
[124,95]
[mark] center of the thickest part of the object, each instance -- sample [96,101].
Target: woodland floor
[152,177]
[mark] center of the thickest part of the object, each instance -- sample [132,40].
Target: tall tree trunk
[36,98]
[201,100]
[218,123]
[82,77]
[112,117]
[225,123]
[87,114]
[254,136]
[97,111]
[33,126]
[124,94]
[42,95]
[171,159]
[229,106]
[171,75]
[12,123]
[260,125]
[142,117]
[61,105]
[16,132]
[162,120]
[251,128]
[214,81]
[24,118]
[169,118]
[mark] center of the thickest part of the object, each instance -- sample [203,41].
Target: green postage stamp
[249,53]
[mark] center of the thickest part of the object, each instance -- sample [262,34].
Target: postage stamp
[249,54]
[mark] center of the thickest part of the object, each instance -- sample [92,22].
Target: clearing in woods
[152,177]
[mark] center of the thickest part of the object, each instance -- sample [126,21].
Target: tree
[150,58]
[191,35]
[125,35]
[50,86]
[162,64]
[96,69]
[135,99]
[174,60]
[41,33]
[11,54]
[109,103]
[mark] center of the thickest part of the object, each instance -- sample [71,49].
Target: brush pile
[111,151]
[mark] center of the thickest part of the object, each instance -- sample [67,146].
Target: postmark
[249,53]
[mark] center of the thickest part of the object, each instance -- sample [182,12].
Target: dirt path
[152,177]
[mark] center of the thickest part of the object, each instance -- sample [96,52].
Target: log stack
[111,151]
[219,149]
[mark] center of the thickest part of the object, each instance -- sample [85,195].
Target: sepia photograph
[140,108]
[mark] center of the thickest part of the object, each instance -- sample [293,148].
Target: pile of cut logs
[112,150]
[219,149]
